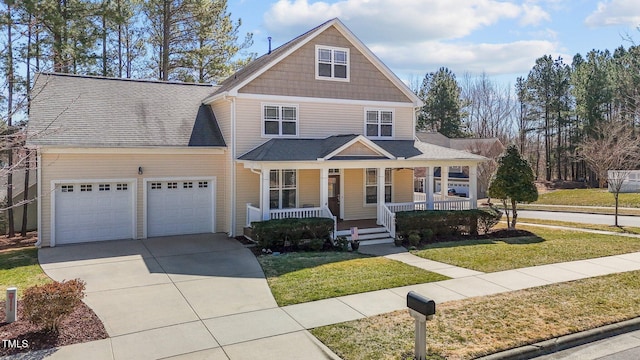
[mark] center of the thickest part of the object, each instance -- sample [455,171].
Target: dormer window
[332,63]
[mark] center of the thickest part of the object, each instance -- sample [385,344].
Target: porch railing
[253,214]
[419,197]
[459,204]
[453,203]
[329,214]
[296,213]
[388,220]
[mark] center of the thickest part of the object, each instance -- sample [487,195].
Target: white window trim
[280,188]
[280,106]
[364,186]
[332,77]
[393,123]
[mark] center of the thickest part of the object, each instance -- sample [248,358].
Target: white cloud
[414,36]
[615,12]
[533,15]
[493,59]
[392,20]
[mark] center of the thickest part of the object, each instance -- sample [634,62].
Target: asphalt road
[580,217]
[620,347]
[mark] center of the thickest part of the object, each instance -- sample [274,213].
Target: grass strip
[475,327]
[576,209]
[302,277]
[588,197]
[601,227]
[545,246]
[20,268]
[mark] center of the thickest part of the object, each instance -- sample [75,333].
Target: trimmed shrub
[280,233]
[414,239]
[430,223]
[341,243]
[313,245]
[46,305]
[489,218]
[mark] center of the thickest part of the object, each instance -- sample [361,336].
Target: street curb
[565,342]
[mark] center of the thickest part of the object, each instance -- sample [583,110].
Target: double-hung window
[371,186]
[283,186]
[280,120]
[378,123]
[332,63]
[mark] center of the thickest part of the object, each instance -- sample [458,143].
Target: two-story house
[317,127]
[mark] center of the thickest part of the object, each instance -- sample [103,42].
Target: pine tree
[441,112]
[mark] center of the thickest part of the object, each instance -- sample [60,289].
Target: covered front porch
[358,181]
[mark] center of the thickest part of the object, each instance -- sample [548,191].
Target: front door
[334,195]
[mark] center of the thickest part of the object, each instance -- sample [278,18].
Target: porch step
[387,240]
[362,231]
[369,236]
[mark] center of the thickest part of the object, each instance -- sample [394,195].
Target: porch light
[140,170]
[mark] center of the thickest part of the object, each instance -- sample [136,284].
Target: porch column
[444,181]
[265,179]
[324,187]
[380,195]
[429,187]
[473,186]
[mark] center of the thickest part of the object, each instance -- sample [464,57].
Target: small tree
[513,183]
[616,179]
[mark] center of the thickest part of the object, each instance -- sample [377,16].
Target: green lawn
[301,277]
[479,326]
[577,209]
[20,268]
[611,228]
[546,246]
[588,197]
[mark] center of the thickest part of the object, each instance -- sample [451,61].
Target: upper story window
[280,120]
[332,63]
[378,123]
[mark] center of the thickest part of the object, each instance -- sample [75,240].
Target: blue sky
[414,37]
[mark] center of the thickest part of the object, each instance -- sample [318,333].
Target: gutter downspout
[232,230]
[38,243]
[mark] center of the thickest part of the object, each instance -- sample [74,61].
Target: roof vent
[269,38]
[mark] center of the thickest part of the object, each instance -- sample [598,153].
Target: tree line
[568,120]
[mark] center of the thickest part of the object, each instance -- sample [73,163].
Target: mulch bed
[80,326]
[18,241]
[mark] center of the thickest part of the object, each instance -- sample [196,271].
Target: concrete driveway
[185,297]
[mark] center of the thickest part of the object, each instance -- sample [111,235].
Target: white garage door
[179,207]
[93,212]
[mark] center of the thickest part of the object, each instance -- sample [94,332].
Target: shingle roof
[297,149]
[70,110]
[474,145]
[313,149]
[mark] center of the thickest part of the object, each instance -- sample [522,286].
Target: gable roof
[279,149]
[232,84]
[86,111]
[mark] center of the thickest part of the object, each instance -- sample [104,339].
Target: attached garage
[93,211]
[176,207]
